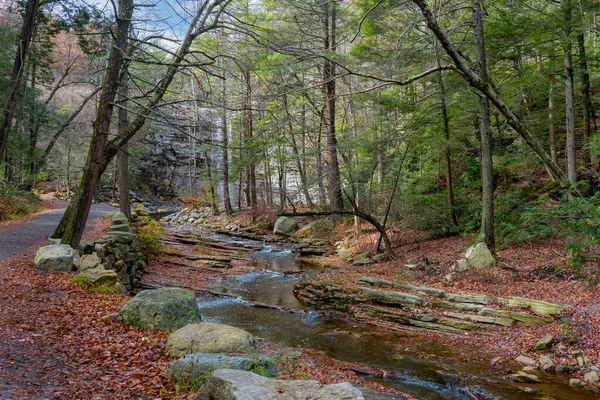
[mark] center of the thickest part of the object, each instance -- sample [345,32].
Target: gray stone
[229,384]
[524,377]
[102,277]
[460,265]
[119,265]
[576,383]
[119,219]
[591,377]
[87,246]
[121,237]
[479,257]
[119,228]
[544,343]
[387,297]
[55,257]
[88,261]
[285,226]
[208,337]
[546,364]
[525,360]
[194,367]
[165,308]
[450,277]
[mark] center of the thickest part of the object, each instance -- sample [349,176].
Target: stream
[422,368]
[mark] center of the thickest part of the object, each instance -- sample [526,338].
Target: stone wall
[115,256]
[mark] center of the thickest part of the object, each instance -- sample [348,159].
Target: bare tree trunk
[123,155]
[551,130]
[14,84]
[251,169]
[587,107]
[299,166]
[33,131]
[487,176]
[225,145]
[569,95]
[333,169]
[96,162]
[446,126]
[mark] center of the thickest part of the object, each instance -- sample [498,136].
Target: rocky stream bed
[268,286]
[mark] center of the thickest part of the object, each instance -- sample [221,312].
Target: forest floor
[54,343]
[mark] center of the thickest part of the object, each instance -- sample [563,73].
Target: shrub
[149,236]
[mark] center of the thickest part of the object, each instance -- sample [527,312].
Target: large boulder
[229,384]
[208,337]
[191,368]
[285,226]
[55,257]
[165,308]
[479,257]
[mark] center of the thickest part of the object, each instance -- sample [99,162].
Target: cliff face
[173,160]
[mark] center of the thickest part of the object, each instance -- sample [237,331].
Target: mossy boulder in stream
[208,337]
[165,308]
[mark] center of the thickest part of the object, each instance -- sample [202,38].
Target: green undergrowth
[84,282]
[148,236]
[15,204]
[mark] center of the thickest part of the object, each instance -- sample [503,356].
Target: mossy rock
[165,309]
[208,337]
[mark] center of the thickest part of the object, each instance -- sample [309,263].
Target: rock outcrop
[165,309]
[229,384]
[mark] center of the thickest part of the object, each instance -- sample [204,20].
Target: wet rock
[208,337]
[191,368]
[55,257]
[544,343]
[524,377]
[479,257]
[525,360]
[576,383]
[285,226]
[546,364]
[228,384]
[165,308]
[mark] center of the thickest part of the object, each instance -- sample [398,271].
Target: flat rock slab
[55,257]
[208,337]
[165,308]
[192,368]
[228,384]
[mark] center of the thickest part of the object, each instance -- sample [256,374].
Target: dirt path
[16,238]
[29,364]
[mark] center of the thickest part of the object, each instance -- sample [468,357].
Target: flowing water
[422,368]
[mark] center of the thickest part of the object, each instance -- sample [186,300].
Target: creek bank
[202,347]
